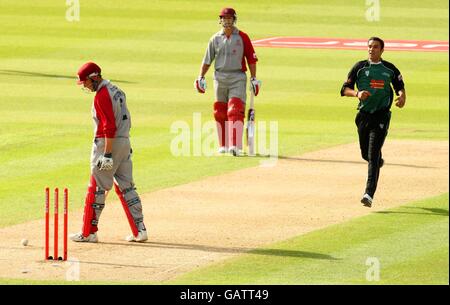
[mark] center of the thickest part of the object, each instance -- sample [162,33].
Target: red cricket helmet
[87,70]
[227,11]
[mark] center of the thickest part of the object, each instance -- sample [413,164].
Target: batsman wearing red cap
[111,157]
[231,49]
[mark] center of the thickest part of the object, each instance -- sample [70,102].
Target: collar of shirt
[102,84]
[375,63]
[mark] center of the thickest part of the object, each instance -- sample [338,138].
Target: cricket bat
[250,130]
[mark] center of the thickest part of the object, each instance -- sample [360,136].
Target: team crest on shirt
[367,73]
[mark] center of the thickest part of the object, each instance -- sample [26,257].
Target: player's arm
[348,88]
[399,86]
[208,58]
[204,68]
[350,92]
[252,69]
[108,145]
[105,113]
[250,56]
[255,84]
[106,162]
[210,54]
[362,95]
[200,82]
[401,99]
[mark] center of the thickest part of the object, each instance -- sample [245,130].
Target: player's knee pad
[220,111]
[220,114]
[132,206]
[236,110]
[93,207]
[236,115]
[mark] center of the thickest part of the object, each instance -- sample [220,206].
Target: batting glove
[200,84]
[105,162]
[255,85]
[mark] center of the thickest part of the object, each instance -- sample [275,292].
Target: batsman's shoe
[222,150]
[78,237]
[235,151]
[367,200]
[142,236]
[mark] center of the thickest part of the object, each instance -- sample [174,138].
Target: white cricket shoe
[78,237]
[235,151]
[142,236]
[222,150]
[367,200]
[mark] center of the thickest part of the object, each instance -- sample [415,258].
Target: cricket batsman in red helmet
[110,159]
[231,50]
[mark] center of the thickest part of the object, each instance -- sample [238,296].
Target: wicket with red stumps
[55,224]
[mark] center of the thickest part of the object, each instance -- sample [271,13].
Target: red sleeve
[105,113]
[249,52]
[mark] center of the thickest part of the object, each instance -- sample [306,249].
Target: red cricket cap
[87,70]
[227,11]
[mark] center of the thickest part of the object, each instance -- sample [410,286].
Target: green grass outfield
[410,243]
[153,51]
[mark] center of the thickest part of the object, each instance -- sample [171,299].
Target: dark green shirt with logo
[377,79]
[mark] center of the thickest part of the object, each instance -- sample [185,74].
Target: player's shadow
[428,211]
[237,250]
[38,74]
[289,158]
[262,251]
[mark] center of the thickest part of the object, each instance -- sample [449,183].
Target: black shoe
[367,200]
